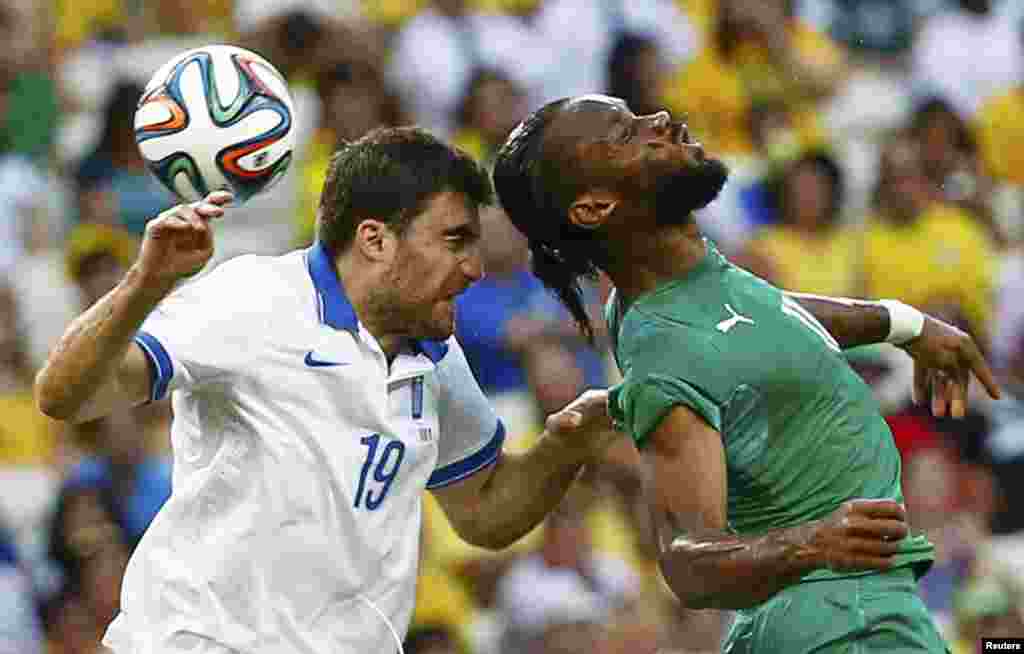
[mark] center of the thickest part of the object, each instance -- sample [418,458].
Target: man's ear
[592,209]
[375,240]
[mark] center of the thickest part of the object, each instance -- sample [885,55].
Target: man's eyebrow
[465,229]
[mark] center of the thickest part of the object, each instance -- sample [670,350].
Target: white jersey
[300,459]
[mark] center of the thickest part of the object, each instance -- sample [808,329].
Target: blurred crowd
[877,150]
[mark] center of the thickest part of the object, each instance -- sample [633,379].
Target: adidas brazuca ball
[216,118]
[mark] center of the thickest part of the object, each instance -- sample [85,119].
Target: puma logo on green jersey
[729,323]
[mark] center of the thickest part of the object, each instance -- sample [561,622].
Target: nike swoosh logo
[319,363]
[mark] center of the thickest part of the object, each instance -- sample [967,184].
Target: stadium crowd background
[877,149]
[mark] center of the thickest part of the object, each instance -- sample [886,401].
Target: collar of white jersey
[334,307]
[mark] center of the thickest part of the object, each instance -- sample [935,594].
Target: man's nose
[473,265]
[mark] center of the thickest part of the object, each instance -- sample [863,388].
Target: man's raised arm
[96,368]
[944,356]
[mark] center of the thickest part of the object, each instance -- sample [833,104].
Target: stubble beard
[404,319]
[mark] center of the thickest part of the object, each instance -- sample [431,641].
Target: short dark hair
[823,162]
[536,195]
[389,175]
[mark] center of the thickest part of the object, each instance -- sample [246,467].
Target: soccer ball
[216,118]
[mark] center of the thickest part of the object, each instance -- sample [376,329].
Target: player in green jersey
[775,483]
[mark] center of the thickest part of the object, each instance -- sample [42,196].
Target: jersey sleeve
[471,435]
[199,333]
[666,368]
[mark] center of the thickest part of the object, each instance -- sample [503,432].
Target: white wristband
[905,322]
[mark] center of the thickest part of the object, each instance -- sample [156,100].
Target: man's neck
[647,261]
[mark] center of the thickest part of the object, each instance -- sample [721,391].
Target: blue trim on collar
[334,307]
[435,350]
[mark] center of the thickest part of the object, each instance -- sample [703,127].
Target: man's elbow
[692,591]
[486,539]
[49,400]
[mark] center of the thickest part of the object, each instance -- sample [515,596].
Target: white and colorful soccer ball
[216,118]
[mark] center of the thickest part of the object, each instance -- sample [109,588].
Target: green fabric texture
[801,430]
[880,613]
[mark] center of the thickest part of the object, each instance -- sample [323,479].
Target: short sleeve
[200,332]
[471,434]
[665,369]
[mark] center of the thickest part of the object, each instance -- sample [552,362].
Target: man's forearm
[92,346]
[522,489]
[851,322]
[723,571]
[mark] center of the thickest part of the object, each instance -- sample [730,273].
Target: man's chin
[439,329]
[690,190]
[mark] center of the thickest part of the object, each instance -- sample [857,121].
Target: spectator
[878,27]
[935,505]
[355,98]
[139,481]
[27,437]
[491,107]
[114,186]
[809,250]
[759,52]
[945,141]
[946,59]
[945,258]
[999,130]
[22,188]
[28,443]
[96,258]
[499,317]
[432,640]
[565,582]
[433,58]
[575,630]
[950,161]
[1005,444]
[636,70]
[988,607]
[88,545]
[747,203]
[20,631]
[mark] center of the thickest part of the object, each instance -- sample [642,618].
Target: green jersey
[801,430]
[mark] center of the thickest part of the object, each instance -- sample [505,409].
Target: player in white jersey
[315,395]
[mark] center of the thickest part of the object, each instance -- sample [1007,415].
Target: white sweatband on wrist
[905,322]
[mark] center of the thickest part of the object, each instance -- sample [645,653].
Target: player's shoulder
[658,331]
[247,280]
[447,355]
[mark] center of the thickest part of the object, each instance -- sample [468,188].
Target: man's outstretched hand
[584,425]
[944,360]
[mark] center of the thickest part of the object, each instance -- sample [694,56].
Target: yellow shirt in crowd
[27,437]
[826,264]
[999,129]
[717,95]
[944,256]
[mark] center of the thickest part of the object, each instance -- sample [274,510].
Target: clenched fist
[179,242]
[859,535]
